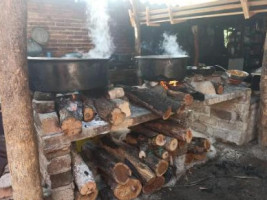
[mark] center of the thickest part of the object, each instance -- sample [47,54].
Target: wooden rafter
[218,8]
[245,8]
[148,23]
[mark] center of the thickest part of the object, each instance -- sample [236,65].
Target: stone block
[43,106]
[198,126]
[63,193]
[59,165]
[47,123]
[61,179]
[61,152]
[222,114]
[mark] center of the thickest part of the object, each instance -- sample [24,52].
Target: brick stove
[230,116]
[224,116]
[55,146]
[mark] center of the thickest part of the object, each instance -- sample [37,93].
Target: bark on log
[128,191]
[170,129]
[159,104]
[108,111]
[70,115]
[156,138]
[171,144]
[150,181]
[188,90]
[218,87]
[161,153]
[263,102]
[115,93]
[187,99]
[83,176]
[139,141]
[108,163]
[124,106]
[15,98]
[198,145]
[89,111]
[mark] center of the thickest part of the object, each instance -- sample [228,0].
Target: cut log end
[171,144]
[220,89]
[130,190]
[167,114]
[122,173]
[181,109]
[71,126]
[159,140]
[116,117]
[162,167]
[188,99]
[142,154]
[88,188]
[153,185]
[165,155]
[88,114]
[206,144]
[188,136]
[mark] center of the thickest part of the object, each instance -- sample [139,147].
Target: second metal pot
[161,67]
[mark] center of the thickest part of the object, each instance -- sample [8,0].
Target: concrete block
[59,165]
[63,193]
[43,106]
[47,123]
[62,179]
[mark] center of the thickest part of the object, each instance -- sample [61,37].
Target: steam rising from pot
[99,32]
[170,46]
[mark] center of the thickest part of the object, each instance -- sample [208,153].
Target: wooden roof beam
[245,7]
[148,18]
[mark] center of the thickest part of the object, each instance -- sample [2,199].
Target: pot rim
[161,57]
[64,59]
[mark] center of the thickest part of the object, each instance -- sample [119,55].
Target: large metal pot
[67,74]
[161,68]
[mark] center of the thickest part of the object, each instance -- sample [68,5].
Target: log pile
[144,160]
[75,108]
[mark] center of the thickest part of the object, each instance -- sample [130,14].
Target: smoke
[170,46]
[99,32]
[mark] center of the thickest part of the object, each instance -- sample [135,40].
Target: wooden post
[263,102]
[196,44]
[137,29]
[16,102]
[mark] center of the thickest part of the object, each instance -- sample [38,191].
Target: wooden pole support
[15,98]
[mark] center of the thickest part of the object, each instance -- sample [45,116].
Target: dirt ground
[232,175]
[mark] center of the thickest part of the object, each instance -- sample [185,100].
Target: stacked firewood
[143,160]
[75,108]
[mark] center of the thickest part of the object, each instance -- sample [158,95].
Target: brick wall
[66,22]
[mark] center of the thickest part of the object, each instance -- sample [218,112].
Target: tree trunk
[15,98]
[263,102]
